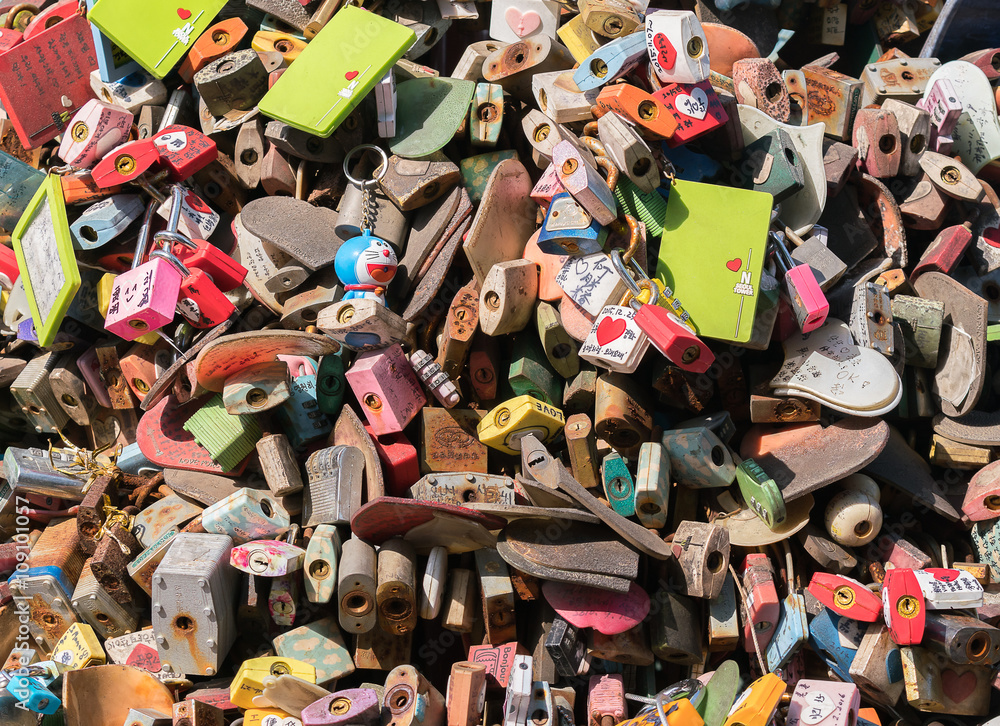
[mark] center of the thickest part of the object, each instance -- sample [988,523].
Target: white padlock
[678,48]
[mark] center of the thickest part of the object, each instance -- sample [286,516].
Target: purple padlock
[354,706]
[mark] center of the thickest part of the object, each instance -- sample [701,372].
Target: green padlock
[530,374]
[618,484]
[760,493]
[330,384]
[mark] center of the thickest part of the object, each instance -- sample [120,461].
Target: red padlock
[845,596]
[668,334]
[125,163]
[903,606]
[9,271]
[200,302]
[762,608]
[184,151]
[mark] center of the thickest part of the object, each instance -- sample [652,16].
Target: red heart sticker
[734,264]
[944,575]
[351,75]
[666,56]
[610,329]
[184,14]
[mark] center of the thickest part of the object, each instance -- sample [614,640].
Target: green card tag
[336,70]
[712,253]
[156,33]
[45,257]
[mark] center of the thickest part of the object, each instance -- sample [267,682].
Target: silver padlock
[194,598]
[333,494]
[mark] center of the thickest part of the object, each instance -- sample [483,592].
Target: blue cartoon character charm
[365,265]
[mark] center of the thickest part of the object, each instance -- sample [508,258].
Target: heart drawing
[958,687]
[609,330]
[351,75]
[694,104]
[524,23]
[734,264]
[183,14]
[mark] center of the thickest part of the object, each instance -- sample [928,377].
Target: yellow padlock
[78,648]
[249,680]
[757,704]
[504,426]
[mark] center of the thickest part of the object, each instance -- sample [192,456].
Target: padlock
[611,61]
[361,324]
[569,228]
[411,699]
[871,318]
[197,219]
[246,515]
[283,600]
[845,596]
[194,571]
[615,342]
[103,221]
[702,554]
[116,544]
[638,107]
[356,583]
[434,378]
[757,83]
[581,179]
[876,136]
[131,92]
[677,46]
[93,131]
[144,298]
[699,458]
[790,633]
[605,700]
[257,389]
[951,177]
[125,163]
[200,301]
[350,706]
[674,632]
[79,648]
[218,40]
[466,693]
[824,701]
[333,494]
[234,82]
[267,558]
[903,606]
[758,703]
[497,597]
[517,700]
[319,644]
[876,668]
[772,165]
[96,607]
[962,639]
[942,103]
[695,107]
[396,592]
[228,438]
[808,302]
[762,608]
[460,602]
[761,493]
[618,484]
[142,568]
[33,394]
[391,408]
[249,680]
[53,569]
[927,689]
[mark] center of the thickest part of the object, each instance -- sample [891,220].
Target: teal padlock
[618,484]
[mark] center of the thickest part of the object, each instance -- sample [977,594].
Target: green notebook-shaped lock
[711,255]
[336,70]
[158,34]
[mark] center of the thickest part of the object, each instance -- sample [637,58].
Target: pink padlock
[804,294]
[547,187]
[388,389]
[945,108]
[144,298]
[94,130]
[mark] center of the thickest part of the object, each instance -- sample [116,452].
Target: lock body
[194,592]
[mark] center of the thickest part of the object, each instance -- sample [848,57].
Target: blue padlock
[300,416]
[611,61]
[102,221]
[790,633]
[836,639]
[569,229]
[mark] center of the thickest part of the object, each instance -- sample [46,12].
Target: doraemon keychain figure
[365,264]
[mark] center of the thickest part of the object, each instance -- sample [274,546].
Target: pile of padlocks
[511,363]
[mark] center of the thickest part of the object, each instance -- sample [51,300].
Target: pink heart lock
[605,611]
[524,23]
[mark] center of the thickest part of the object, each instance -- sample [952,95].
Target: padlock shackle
[166,236]
[147,224]
[172,259]
[176,199]
[781,255]
[689,688]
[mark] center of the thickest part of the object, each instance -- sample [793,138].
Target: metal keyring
[379,174]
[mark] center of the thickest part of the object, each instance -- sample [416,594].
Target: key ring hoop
[379,173]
